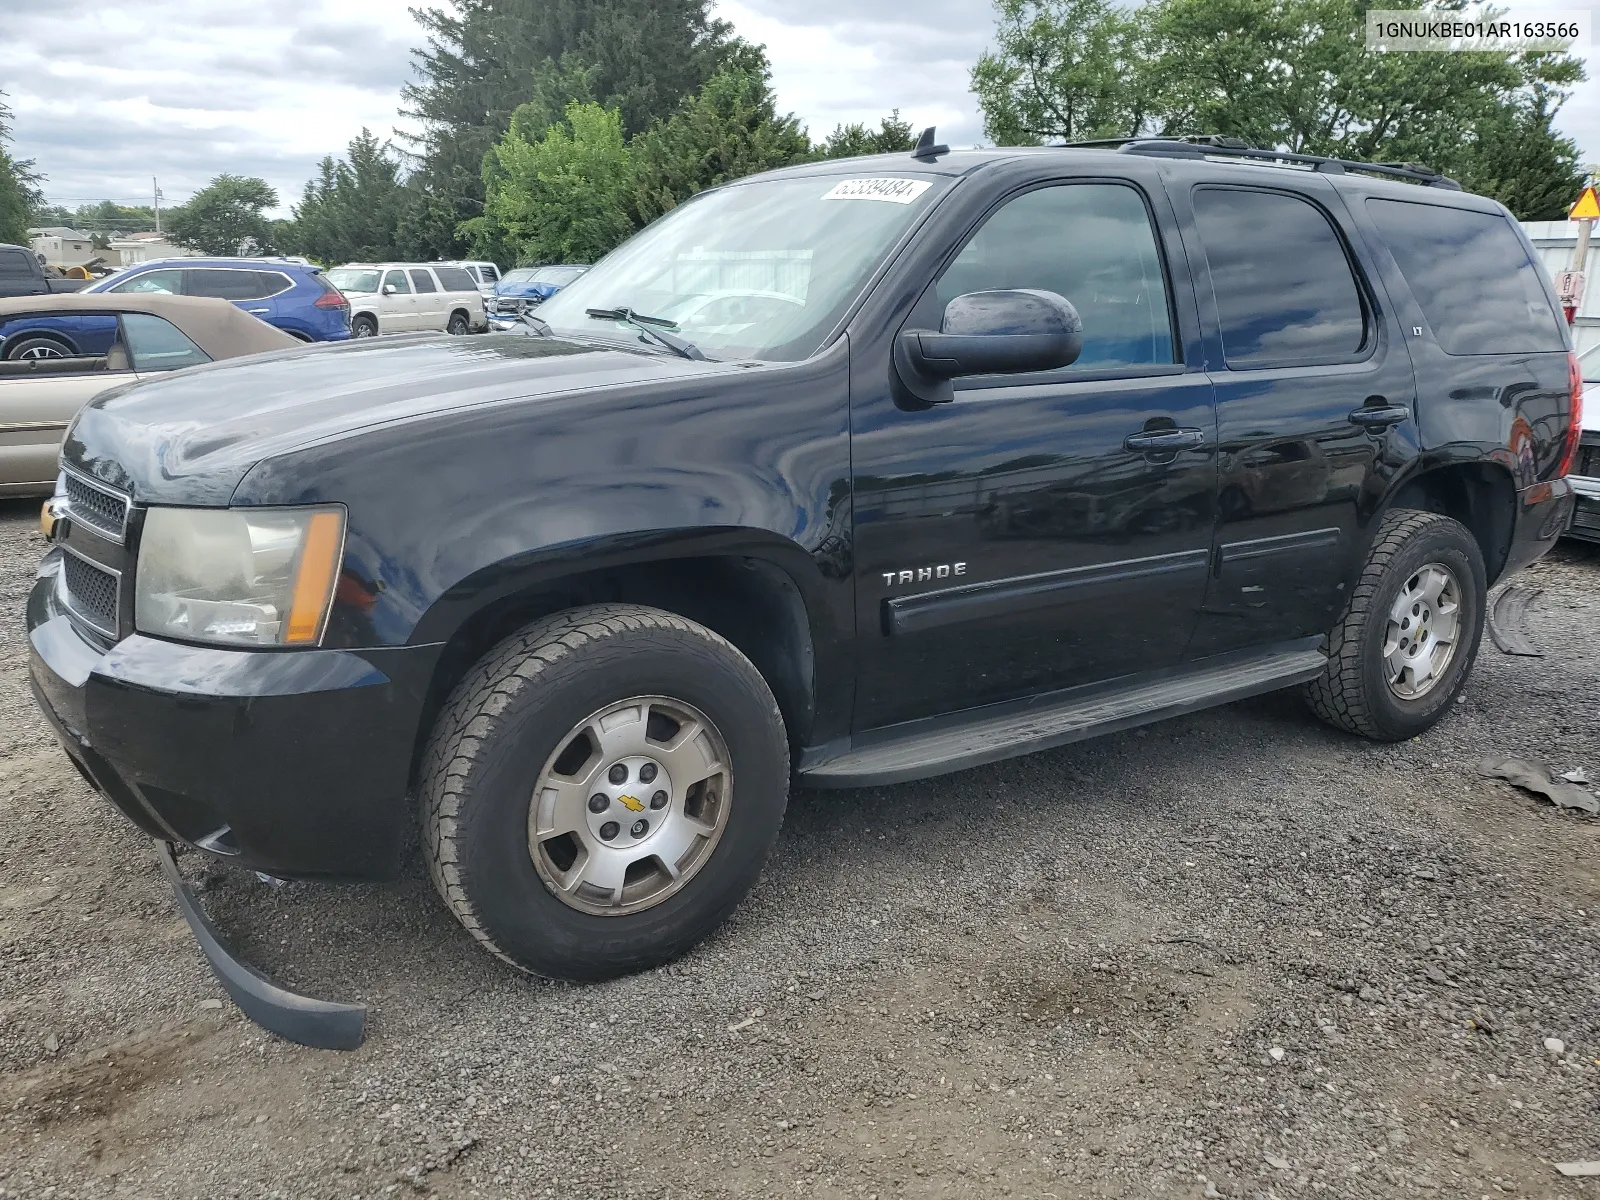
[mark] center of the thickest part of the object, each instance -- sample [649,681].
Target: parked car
[597,594]
[526,287]
[139,337]
[22,274]
[485,274]
[285,292]
[406,297]
[1586,478]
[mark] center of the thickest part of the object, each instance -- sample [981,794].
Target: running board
[937,745]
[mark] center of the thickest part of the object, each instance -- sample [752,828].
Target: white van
[405,297]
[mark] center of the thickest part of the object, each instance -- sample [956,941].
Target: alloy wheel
[1423,627]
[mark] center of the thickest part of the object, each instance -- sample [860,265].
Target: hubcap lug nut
[647,773]
[618,773]
[640,828]
[609,830]
[599,802]
[659,800]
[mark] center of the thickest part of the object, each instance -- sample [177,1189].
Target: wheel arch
[53,335]
[1481,494]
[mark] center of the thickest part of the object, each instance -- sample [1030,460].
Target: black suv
[846,474]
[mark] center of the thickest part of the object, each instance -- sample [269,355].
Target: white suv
[404,297]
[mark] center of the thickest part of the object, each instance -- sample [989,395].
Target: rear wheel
[1410,632]
[363,326]
[458,323]
[602,790]
[26,347]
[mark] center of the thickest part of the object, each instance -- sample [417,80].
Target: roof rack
[1213,145]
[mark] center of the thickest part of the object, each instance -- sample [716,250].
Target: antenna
[926,149]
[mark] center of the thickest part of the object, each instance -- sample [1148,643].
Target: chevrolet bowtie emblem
[631,804]
[50,521]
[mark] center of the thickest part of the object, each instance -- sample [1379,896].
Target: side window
[43,345]
[397,280]
[1472,277]
[223,283]
[454,279]
[423,278]
[272,283]
[14,264]
[1091,243]
[155,344]
[1285,293]
[489,273]
[166,283]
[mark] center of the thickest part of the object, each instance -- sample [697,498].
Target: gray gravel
[1238,954]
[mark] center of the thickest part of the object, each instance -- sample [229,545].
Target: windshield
[756,270]
[354,279]
[521,275]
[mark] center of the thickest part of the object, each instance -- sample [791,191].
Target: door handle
[1379,416]
[1156,441]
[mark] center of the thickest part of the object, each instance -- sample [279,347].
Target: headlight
[238,576]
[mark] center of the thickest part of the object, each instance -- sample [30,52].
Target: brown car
[59,352]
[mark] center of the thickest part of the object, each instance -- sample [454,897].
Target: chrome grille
[1588,462]
[99,508]
[508,306]
[90,591]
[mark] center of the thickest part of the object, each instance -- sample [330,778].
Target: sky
[106,95]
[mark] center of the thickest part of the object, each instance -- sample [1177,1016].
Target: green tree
[893,136]
[1517,158]
[729,128]
[19,186]
[1070,69]
[226,217]
[484,58]
[560,195]
[355,206]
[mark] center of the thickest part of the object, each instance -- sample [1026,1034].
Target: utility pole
[155,188]
[1569,284]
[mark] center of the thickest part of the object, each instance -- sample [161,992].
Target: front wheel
[1410,632]
[459,325]
[602,789]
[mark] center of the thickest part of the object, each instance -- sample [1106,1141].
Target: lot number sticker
[895,191]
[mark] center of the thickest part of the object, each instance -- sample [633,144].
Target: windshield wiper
[538,324]
[649,327]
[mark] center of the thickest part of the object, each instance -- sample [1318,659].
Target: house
[138,248]
[63,247]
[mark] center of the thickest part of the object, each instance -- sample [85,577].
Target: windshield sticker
[895,191]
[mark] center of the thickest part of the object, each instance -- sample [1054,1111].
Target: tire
[459,324]
[37,346]
[512,720]
[1355,692]
[363,326]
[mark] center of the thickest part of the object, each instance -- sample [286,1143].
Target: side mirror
[988,333]
[389,289]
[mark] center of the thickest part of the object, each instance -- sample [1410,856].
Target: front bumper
[1586,513]
[295,763]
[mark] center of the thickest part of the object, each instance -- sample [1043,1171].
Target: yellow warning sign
[1587,208]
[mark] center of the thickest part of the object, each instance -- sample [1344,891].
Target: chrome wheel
[1423,627]
[630,806]
[40,349]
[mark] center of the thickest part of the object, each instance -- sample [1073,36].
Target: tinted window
[1282,281]
[168,283]
[453,279]
[46,344]
[397,280]
[273,282]
[159,345]
[14,264]
[1091,243]
[1471,275]
[224,284]
[489,273]
[423,280]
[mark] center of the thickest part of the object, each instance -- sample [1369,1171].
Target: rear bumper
[1543,513]
[293,763]
[1586,513]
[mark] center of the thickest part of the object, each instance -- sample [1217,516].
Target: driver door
[1015,540]
[397,311]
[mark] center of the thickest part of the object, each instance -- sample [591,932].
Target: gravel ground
[1236,954]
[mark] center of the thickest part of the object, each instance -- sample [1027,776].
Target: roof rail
[1212,145]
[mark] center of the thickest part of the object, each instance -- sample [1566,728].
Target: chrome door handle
[1379,416]
[1156,441]
[257,310]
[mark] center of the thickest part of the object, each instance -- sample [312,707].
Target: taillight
[1575,420]
[331,299]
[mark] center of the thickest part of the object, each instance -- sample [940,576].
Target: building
[1555,241]
[138,248]
[63,247]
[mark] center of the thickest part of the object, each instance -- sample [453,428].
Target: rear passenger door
[430,313]
[243,287]
[1314,391]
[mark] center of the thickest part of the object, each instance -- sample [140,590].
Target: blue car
[525,287]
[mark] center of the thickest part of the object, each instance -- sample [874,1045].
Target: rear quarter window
[1471,276]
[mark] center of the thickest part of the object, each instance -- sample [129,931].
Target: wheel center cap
[629,801]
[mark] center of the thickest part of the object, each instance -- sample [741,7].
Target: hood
[543,290]
[191,436]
